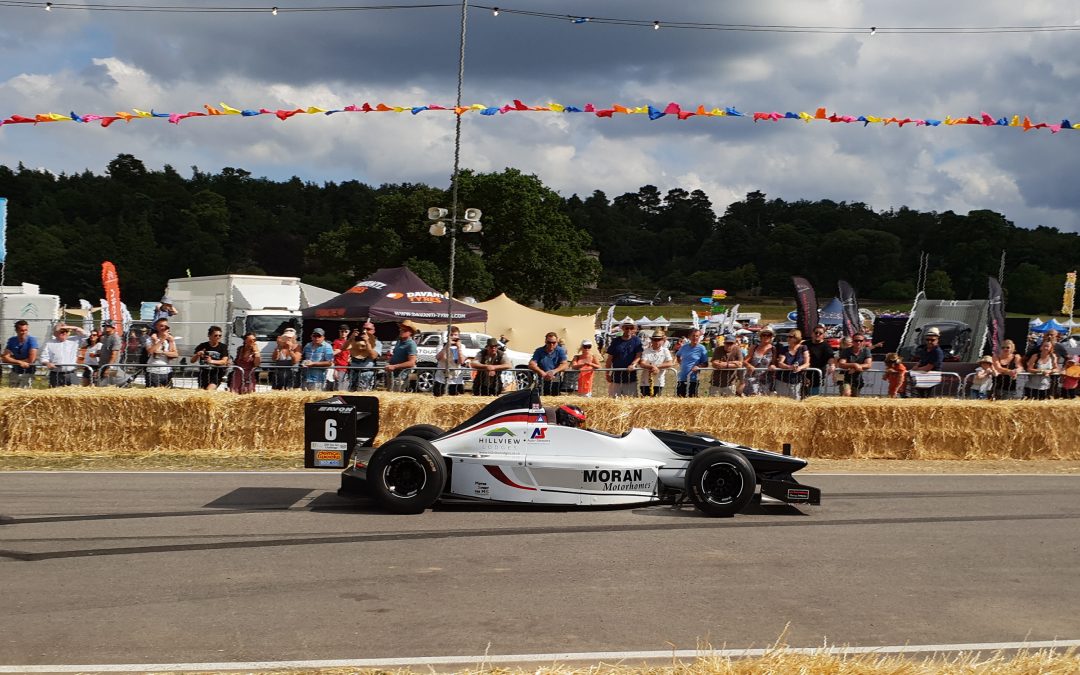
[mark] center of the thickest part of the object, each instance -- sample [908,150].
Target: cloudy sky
[102,62]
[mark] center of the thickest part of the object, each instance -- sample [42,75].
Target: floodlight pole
[454,184]
[454,177]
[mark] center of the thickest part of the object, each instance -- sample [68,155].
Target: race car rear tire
[720,482]
[428,432]
[406,475]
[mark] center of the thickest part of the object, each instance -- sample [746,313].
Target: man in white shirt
[60,354]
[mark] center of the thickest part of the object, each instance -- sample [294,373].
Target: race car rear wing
[336,427]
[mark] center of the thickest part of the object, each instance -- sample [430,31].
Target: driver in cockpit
[569,415]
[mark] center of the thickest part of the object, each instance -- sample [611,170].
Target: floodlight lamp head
[473,215]
[436,213]
[471,227]
[437,229]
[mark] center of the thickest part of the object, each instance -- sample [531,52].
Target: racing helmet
[569,416]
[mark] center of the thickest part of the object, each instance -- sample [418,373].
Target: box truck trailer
[238,304]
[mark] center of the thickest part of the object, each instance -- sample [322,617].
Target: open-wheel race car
[517,451]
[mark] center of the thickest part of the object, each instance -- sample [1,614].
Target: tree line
[536,245]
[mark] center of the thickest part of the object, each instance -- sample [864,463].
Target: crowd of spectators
[804,367]
[631,366]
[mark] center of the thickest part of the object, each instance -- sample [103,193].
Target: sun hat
[493,342]
[584,343]
[407,324]
[986,359]
[933,330]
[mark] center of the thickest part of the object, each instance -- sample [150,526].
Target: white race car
[515,450]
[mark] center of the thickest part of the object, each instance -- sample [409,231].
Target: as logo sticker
[539,434]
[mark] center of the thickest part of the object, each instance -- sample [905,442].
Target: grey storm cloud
[70,59]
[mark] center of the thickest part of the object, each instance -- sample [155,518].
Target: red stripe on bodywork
[501,419]
[503,478]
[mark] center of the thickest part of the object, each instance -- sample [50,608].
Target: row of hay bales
[137,422]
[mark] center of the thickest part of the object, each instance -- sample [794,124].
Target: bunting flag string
[653,113]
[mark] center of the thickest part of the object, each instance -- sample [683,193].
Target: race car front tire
[720,482]
[428,432]
[406,475]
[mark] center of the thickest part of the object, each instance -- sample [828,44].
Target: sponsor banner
[362,286]
[852,322]
[111,283]
[427,315]
[995,317]
[1067,298]
[806,305]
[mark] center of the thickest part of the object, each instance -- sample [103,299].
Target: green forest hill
[536,245]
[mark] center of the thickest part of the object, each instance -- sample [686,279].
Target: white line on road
[488,659]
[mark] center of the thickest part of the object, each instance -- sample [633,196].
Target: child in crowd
[983,382]
[895,374]
[1070,379]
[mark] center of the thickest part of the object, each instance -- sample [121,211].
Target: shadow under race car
[512,451]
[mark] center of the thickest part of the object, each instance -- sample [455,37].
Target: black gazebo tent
[389,295]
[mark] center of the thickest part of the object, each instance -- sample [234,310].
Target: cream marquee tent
[525,327]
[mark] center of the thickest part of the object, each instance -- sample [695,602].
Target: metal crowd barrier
[420,379]
[42,377]
[1014,390]
[148,376]
[934,384]
[812,382]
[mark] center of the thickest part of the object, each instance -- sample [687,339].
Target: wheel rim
[721,483]
[404,477]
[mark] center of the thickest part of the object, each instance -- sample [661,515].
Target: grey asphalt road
[181,567]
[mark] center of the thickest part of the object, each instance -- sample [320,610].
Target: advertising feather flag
[806,304]
[111,284]
[1070,293]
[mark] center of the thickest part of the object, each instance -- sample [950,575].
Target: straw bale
[136,423]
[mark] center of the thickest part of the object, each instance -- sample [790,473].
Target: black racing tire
[428,432]
[406,475]
[720,482]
